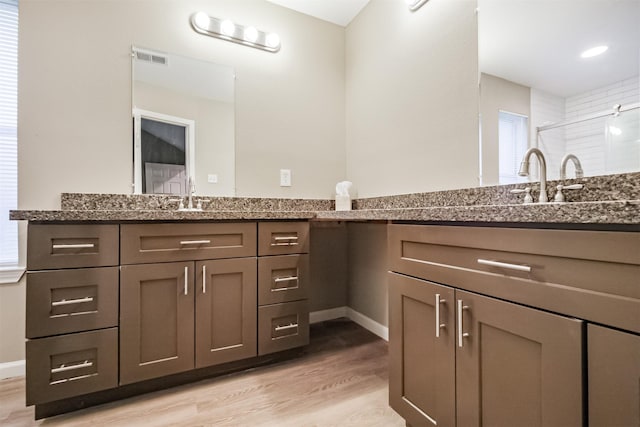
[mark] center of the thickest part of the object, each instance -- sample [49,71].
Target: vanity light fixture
[594,51]
[415,4]
[227,30]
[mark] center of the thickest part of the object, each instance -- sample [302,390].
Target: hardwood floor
[340,381]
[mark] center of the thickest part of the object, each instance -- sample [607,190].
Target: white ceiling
[340,12]
[536,43]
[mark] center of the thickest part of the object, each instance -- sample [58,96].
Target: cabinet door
[516,366]
[614,377]
[226,310]
[422,364]
[156,320]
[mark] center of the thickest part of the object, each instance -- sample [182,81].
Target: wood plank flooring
[341,381]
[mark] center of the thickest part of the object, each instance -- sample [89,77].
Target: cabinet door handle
[71,301]
[508,266]
[195,242]
[438,324]
[204,279]
[186,280]
[74,246]
[461,333]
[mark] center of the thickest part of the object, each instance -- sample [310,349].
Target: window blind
[8,133]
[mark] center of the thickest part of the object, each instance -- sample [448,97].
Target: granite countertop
[609,199]
[608,212]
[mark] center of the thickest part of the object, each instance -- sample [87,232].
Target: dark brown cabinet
[226,301]
[458,358]
[283,274]
[614,377]
[156,320]
[184,315]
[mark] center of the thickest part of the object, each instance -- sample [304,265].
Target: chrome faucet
[191,190]
[524,171]
[576,164]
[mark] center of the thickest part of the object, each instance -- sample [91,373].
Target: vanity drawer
[282,326]
[592,275]
[70,365]
[144,243]
[51,246]
[282,278]
[282,238]
[63,301]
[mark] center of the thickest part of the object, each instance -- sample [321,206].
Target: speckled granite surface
[612,199]
[155,215]
[557,213]
[81,201]
[599,188]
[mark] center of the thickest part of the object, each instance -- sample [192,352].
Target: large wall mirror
[533,76]
[184,128]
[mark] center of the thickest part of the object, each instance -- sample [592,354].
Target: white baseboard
[12,369]
[368,323]
[357,317]
[330,314]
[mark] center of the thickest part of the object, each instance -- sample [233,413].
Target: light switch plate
[212,178]
[285,177]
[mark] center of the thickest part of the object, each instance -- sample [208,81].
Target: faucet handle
[181,203]
[559,197]
[527,190]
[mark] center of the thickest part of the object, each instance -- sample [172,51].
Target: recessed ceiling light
[594,51]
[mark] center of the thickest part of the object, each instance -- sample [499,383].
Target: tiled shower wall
[588,139]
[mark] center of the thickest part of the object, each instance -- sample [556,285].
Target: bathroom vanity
[115,305]
[491,325]
[496,312]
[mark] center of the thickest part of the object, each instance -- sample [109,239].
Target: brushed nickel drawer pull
[461,334]
[195,242]
[289,326]
[186,280]
[204,279]
[285,241]
[64,368]
[71,301]
[285,279]
[74,246]
[508,266]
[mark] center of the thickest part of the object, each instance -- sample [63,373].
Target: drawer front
[282,278]
[524,266]
[71,365]
[282,238]
[71,246]
[282,326]
[64,301]
[142,243]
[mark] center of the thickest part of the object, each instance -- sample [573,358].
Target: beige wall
[412,97]
[367,288]
[498,94]
[75,94]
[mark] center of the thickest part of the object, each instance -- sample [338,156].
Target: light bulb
[227,28]
[202,20]
[251,34]
[594,51]
[272,40]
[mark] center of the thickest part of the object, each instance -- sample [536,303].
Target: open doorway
[163,153]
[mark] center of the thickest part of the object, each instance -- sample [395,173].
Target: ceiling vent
[152,57]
